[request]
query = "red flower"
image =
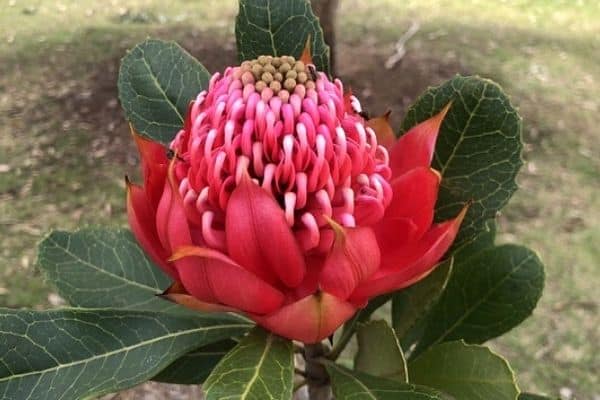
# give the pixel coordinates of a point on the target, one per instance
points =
(278, 202)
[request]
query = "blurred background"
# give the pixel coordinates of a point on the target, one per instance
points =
(65, 145)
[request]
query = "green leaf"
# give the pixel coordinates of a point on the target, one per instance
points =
(194, 367)
(379, 352)
(99, 267)
(279, 28)
(354, 385)
(80, 353)
(157, 81)
(261, 366)
(478, 150)
(483, 241)
(410, 306)
(467, 372)
(487, 295)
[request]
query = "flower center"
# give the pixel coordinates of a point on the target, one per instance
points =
(292, 130)
(280, 74)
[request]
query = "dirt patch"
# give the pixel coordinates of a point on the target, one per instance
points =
(361, 66)
(93, 104)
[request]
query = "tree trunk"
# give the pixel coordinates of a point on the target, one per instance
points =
(326, 11)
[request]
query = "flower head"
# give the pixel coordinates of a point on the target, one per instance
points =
(277, 200)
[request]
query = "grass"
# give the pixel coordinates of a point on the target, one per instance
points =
(64, 147)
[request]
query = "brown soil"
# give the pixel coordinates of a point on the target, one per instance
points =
(94, 102)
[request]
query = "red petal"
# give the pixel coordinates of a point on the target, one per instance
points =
(353, 258)
(212, 277)
(415, 148)
(409, 264)
(258, 236)
(154, 166)
(415, 194)
(308, 320)
(141, 221)
(383, 130)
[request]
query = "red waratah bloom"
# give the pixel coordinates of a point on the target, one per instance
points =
(276, 201)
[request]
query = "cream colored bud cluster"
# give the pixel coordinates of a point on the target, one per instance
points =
(280, 74)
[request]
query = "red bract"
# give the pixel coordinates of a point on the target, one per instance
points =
(277, 201)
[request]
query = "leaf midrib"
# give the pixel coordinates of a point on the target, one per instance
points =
(355, 379)
(122, 349)
(256, 374)
(463, 132)
(159, 87)
(100, 270)
(470, 310)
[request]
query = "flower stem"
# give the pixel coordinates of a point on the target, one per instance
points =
(317, 378)
(343, 340)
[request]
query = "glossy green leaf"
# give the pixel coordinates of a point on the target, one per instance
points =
(478, 150)
(379, 352)
(157, 81)
(261, 367)
(484, 240)
(279, 28)
(487, 295)
(467, 372)
(81, 353)
(100, 267)
(195, 366)
(354, 385)
(410, 306)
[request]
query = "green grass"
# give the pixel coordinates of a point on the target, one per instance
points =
(63, 166)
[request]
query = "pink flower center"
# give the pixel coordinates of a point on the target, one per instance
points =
(296, 138)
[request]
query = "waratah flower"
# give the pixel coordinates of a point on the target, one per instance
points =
(276, 200)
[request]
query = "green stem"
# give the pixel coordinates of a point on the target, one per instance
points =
(342, 342)
(316, 374)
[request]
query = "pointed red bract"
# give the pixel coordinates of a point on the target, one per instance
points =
(176, 293)
(308, 320)
(154, 166)
(408, 264)
(382, 128)
(306, 56)
(259, 238)
(171, 222)
(212, 277)
(348, 102)
(415, 148)
(141, 220)
(354, 258)
(415, 194)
